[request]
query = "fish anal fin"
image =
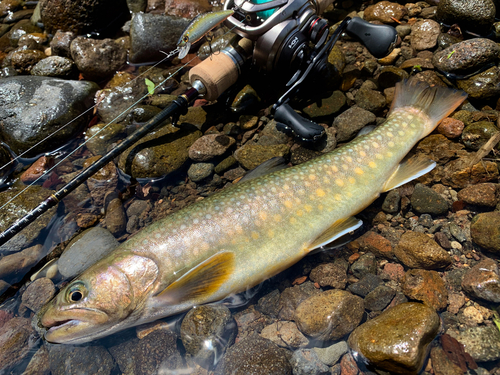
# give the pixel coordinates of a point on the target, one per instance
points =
(337, 230)
(202, 281)
(408, 170)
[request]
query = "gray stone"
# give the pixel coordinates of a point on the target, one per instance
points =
(55, 66)
(482, 342)
(86, 249)
(424, 200)
(32, 108)
(473, 15)
(71, 360)
(331, 354)
(306, 362)
(351, 121)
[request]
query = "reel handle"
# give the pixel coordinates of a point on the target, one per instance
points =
(380, 40)
(306, 129)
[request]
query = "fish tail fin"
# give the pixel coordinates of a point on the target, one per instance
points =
(435, 101)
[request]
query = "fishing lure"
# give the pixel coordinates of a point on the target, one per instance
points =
(199, 27)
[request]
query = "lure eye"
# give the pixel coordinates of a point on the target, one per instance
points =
(76, 292)
(185, 39)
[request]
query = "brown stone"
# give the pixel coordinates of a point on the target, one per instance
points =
(417, 250)
(451, 128)
(483, 195)
(376, 244)
(426, 286)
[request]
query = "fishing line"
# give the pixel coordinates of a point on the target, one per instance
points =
(84, 112)
(173, 52)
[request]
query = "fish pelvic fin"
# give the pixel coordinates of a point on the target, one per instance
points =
(202, 281)
(338, 229)
(435, 101)
(408, 170)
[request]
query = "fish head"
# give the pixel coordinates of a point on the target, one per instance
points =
(103, 300)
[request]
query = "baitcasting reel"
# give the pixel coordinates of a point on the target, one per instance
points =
(286, 38)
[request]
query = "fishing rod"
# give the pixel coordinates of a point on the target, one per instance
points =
(178, 107)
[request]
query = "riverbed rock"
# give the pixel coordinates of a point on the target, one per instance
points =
(13, 266)
(461, 173)
(349, 122)
(285, 334)
(485, 231)
(159, 153)
(417, 250)
(482, 342)
(254, 355)
(475, 135)
(480, 195)
(330, 274)
(473, 15)
(32, 108)
(38, 293)
(424, 34)
(483, 281)
(385, 11)
(252, 155)
(17, 340)
(484, 85)
(55, 66)
(380, 341)
(426, 286)
(86, 249)
(206, 332)
(424, 200)
(210, 146)
(330, 315)
(307, 362)
(70, 360)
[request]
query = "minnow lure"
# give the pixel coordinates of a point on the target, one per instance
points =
(199, 27)
(241, 236)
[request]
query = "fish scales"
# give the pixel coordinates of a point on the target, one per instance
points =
(243, 235)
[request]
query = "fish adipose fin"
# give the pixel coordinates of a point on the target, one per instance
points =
(436, 102)
(407, 171)
(201, 281)
(337, 230)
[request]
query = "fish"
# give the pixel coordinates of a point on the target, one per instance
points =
(249, 232)
(199, 27)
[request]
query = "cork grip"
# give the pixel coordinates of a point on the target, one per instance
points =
(217, 73)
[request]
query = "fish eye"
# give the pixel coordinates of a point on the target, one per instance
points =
(76, 292)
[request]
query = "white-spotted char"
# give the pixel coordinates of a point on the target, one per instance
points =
(239, 237)
(199, 27)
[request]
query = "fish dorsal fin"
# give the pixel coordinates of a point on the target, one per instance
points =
(201, 281)
(407, 171)
(337, 230)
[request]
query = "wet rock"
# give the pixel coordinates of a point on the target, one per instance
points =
(483, 85)
(285, 334)
(461, 173)
(17, 340)
(451, 128)
(39, 363)
(306, 362)
(376, 244)
(483, 281)
(254, 356)
(426, 286)
(485, 230)
(379, 298)
(480, 195)
(165, 29)
(393, 271)
(86, 249)
(21, 28)
(440, 149)
(55, 66)
(69, 360)
(100, 136)
(251, 156)
(38, 293)
(150, 355)
(186, 9)
(210, 146)
(379, 341)
(330, 315)
(20, 207)
(390, 75)
(37, 169)
(331, 354)
(160, 152)
(482, 343)
(477, 134)
(329, 274)
(32, 108)
(475, 15)
(206, 332)
(364, 265)
(349, 122)
(365, 285)
(24, 60)
(8, 6)
(116, 220)
(86, 16)
(424, 200)
(424, 34)
(391, 202)
(467, 57)
(200, 171)
(326, 106)
(137, 207)
(103, 181)
(61, 42)
(385, 12)
(290, 298)
(268, 304)
(195, 116)
(97, 59)
(14, 266)
(417, 250)
(370, 100)
(442, 365)
(246, 99)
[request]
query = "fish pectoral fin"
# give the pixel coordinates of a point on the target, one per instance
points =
(338, 229)
(183, 51)
(269, 166)
(202, 281)
(408, 170)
